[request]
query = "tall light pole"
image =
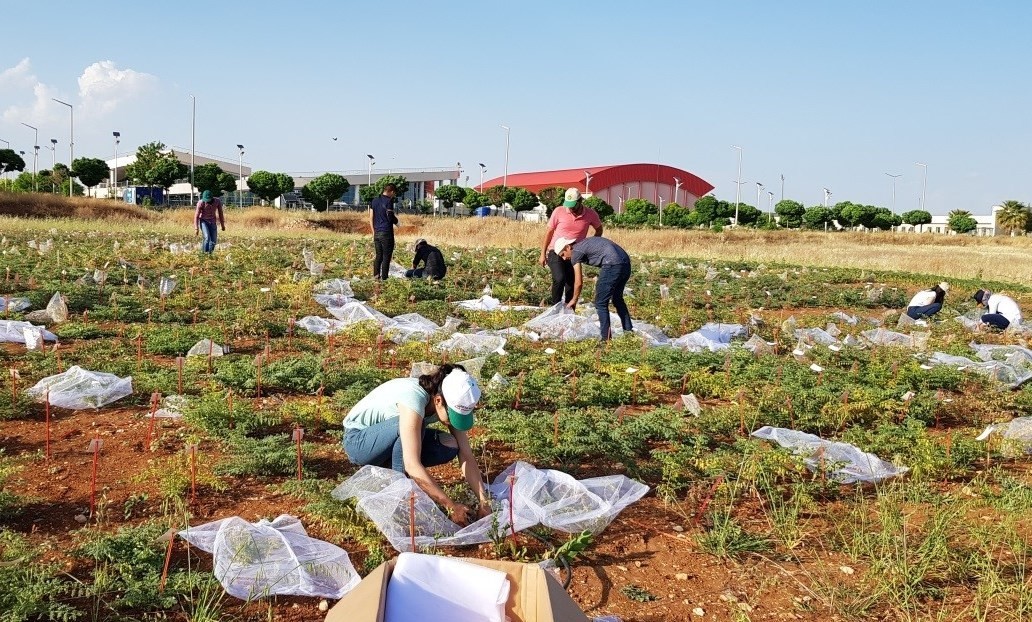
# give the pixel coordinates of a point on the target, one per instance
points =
(53, 153)
(759, 188)
(894, 178)
(587, 182)
(71, 141)
(782, 186)
(827, 194)
(114, 169)
(372, 161)
(482, 169)
(240, 178)
(924, 186)
(677, 188)
(660, 211)
(35, 157)
(770, 206)
(193, 147)
(738, 189)
(458, 178)
(505, 171)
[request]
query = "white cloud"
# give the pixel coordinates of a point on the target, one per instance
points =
(103, 87)
(22, 84)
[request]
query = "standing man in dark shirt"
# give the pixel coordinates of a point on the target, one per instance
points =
(382, 221)
(614, 271)
(432, 260)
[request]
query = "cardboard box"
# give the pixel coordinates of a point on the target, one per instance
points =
(534, 596)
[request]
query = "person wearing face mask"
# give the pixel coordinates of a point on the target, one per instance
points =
(388, 428)
(569, 221)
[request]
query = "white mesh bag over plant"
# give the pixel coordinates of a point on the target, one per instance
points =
(204, 347)
(1017, 436)
(1007, 374)
(476, 344)
(320, 326)
(846, 463)
(815, 336)
(255, 560)
(711, 336)
(559, 322)
(547, 497)
(334, 286)
(357, 311)
(885, 337)
(14, 305)
(57, 309)
(78, 388)
(490, 303)
(14, 331)
(409, 326)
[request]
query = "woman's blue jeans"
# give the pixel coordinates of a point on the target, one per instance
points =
(210, 234)
(612, 278)
(380, 445)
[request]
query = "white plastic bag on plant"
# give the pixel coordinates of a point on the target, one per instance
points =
(847, 463)
(167, 285)
(497, 382)
(57, 309)
(421, 368)
(474, 366)
(691, 404)
(14, 305)
(33, 337)
(320, 326)
(357, 311)
(1017, 435)
(411, 326)
(476, 344)
(172, 407)
(100, 276)
(334, 286)
(13, 331)
(78, 388)
(257, 560)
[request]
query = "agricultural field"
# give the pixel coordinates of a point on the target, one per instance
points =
(733, 528)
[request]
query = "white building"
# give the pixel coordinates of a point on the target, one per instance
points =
(179, 193)
(940, 224)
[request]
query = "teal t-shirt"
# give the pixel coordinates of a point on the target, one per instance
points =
(382, 402)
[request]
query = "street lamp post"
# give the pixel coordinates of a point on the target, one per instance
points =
(660, 211)
(372, 161)
(587, 182)
(114, 169)
(924, 186)
(458, 174)
(71, 141)
(482, 169)
(53, 153)
(827, 194)
(35, 157)
(782, 186)
(240, 178)
(505, 171)
(193, 146)
(759, 188)
(770, 206)
(738, 189)
(677, 188)
(894, 177)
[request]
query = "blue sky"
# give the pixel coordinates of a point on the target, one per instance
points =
(830, 94)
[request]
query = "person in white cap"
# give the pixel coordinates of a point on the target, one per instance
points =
(569, 221)
(614, 271)
(1000, 311)
(927, 302)
(388, 428)
(431, 258)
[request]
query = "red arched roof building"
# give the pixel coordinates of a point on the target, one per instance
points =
(616, 184)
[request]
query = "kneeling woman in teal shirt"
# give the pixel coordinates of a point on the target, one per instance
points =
(388, 427)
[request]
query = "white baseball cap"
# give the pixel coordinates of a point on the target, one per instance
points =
(944, 286)
(572, 196)
(561, 243)
(461, 394)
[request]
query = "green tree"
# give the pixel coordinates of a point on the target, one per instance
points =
(1015, 216)
(790, 213)
(884, 219)
(368, 193)
(523, 200)
(10, 161)
(167, 171)
(855, 215)
(816, 217)
(326, 188)
(603, 209)
(474, 199)
(707, 210)
(639, 212)
(747, 214)
(90, 171)
(212, 178)
(154, 166)
(677, 215)
(552, 197)
(916, 218)
(269, 186)
(499, 195)
(450, 195)
(961, 221)
(24, 182)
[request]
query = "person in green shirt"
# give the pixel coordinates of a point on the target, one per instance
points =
(388, 427)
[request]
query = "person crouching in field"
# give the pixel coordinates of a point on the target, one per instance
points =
(571, 220)
(927, 302)
(208, 209)
(614, 271)
(1000, 311)
(388, 428)
(431, 258)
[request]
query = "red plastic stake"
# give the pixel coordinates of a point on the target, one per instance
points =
(192, 448)
(379, 350)
(299, 433)
(57, 356)
(229, 397)
(412, 519)
(573, 386)
(258, 381)
(179, 368)
(139, 350)
(512, 521)
(47, 409)
(95, 446)
(155, 397)
(519, 391)
(168, 559)
(290, 332)
(555, 431)
(709, 497)
(14, 384)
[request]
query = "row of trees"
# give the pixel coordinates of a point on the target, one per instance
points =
(89, 171)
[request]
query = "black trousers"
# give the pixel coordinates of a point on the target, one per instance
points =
(383, 245)
(562, 277)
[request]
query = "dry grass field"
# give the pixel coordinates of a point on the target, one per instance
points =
(1002, 258)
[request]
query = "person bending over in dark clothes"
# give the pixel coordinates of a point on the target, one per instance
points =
(431, 258)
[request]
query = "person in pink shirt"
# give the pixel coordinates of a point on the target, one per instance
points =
(570, 221)
(208, 209)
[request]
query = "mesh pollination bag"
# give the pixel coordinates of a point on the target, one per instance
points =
(539, 496)
(357, 311)
(1017, 436)
(479, 343)
(14, 331)
(847, 463)
(560, 322)
(78, 388)
(1011, 373)
(711, 336)
(260, 559)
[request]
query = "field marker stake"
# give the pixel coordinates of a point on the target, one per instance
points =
(95, 446)
(46, 402)
(229, 397)
(14, 384)
(290, 333)
(193, 472)
(258, 364)
(139, 350)
(555, 430)
(153, 411)
(179, 367)
(519, 391)
(512, 488)
(709, 497)
(573, 386)
(299, 433)
(57, 356)
(168, 559)
(791, 412)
